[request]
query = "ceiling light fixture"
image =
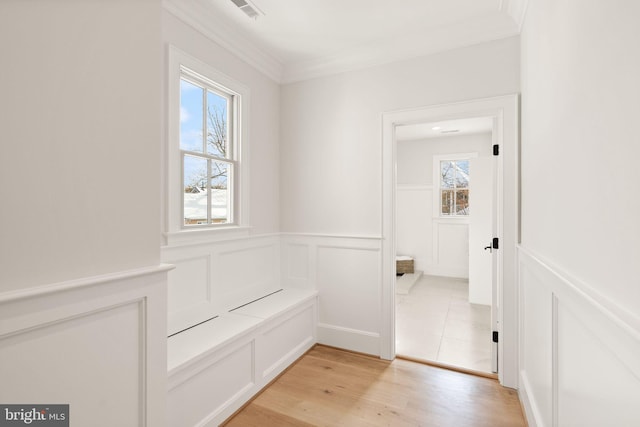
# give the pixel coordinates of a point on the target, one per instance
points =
(436, 128)
(250, 9)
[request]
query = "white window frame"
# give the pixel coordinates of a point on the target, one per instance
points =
(175, 227)
(437, 197)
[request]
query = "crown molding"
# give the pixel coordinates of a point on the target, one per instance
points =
(203, 19)
(395, 50)
(201, 16)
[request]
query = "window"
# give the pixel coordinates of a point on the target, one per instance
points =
(207, 150)
(207, 157)
(454, 187)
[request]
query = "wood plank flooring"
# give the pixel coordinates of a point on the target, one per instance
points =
(331, 387)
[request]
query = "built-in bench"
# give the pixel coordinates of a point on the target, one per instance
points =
(218, 365)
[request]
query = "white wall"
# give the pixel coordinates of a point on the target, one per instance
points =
(415, 158)
(331, 142)
(439, 246)
(80, 125)
(219, 270)
(331, 162)
(82, 295)
(264, 116)
(579, 252)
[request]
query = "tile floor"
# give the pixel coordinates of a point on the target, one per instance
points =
(435, 322)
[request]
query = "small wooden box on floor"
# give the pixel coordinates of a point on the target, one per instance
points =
(404, 266)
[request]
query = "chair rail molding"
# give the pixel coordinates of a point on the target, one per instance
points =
(104, 334)
(574, 345)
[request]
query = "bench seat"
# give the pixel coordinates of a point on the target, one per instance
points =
(217, 366)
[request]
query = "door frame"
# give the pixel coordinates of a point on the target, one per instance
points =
(505, 111)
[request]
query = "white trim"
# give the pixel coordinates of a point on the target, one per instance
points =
(613, 331)
(331, 236)
(200, 17)
(531, 412)
(572, 290)
(176, 60)
(84, 282)
(505, 110)
(203, 18)
(391, 51)
(80, 312)
(437, 180)
(351, 339)
(411, 187)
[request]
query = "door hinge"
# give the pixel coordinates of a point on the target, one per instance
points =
(494, 243)
(495, 336)
(496, 150)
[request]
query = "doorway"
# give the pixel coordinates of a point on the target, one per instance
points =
(504, 111)
(444, 207)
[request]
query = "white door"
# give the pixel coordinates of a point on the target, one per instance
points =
(481, 255)
(480, 230)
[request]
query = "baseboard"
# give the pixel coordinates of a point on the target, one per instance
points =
(349, 339)
(529, 408)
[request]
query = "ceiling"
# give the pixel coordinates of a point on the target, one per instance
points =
(301, 39)
(422, 131)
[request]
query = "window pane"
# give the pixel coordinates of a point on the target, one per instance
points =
(220, 194)
(447, 202)
(462, 202)
(447, 174)
(462, 174)
(195, 190)
(217, 125)
(191, 116)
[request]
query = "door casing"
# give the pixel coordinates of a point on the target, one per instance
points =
(505, 111)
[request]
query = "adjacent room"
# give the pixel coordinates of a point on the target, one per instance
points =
(206, 205)
(445, 220)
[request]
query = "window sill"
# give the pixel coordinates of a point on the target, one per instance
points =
(205, 235)
(452, 219)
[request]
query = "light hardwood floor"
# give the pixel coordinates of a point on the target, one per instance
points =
(331, 387)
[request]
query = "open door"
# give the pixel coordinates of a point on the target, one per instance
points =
(482, 278)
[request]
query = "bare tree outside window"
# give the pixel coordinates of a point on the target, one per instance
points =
(207, 161)
(454, 187)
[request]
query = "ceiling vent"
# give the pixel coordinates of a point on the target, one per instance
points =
(249, 9)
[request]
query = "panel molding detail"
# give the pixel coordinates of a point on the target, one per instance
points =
(57, 335)
(343, 269)
(579, 361)
(225, 274)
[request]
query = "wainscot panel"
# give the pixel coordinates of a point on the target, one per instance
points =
(97, 344)
(450, 248)
(579, 363)
(219, 381)
(214, 277)
(217, 366)
(346, 272)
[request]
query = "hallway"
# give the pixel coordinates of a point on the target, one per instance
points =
(435, 322)
(332, 387)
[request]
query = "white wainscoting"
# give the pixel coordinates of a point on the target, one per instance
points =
(97, 344)
(579, 360)
(236, 355)
(214, 277)
(450, 248)
(346, 272)
(254, 326)
(439, 246)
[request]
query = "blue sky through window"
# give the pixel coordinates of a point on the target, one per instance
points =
(192, 129)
